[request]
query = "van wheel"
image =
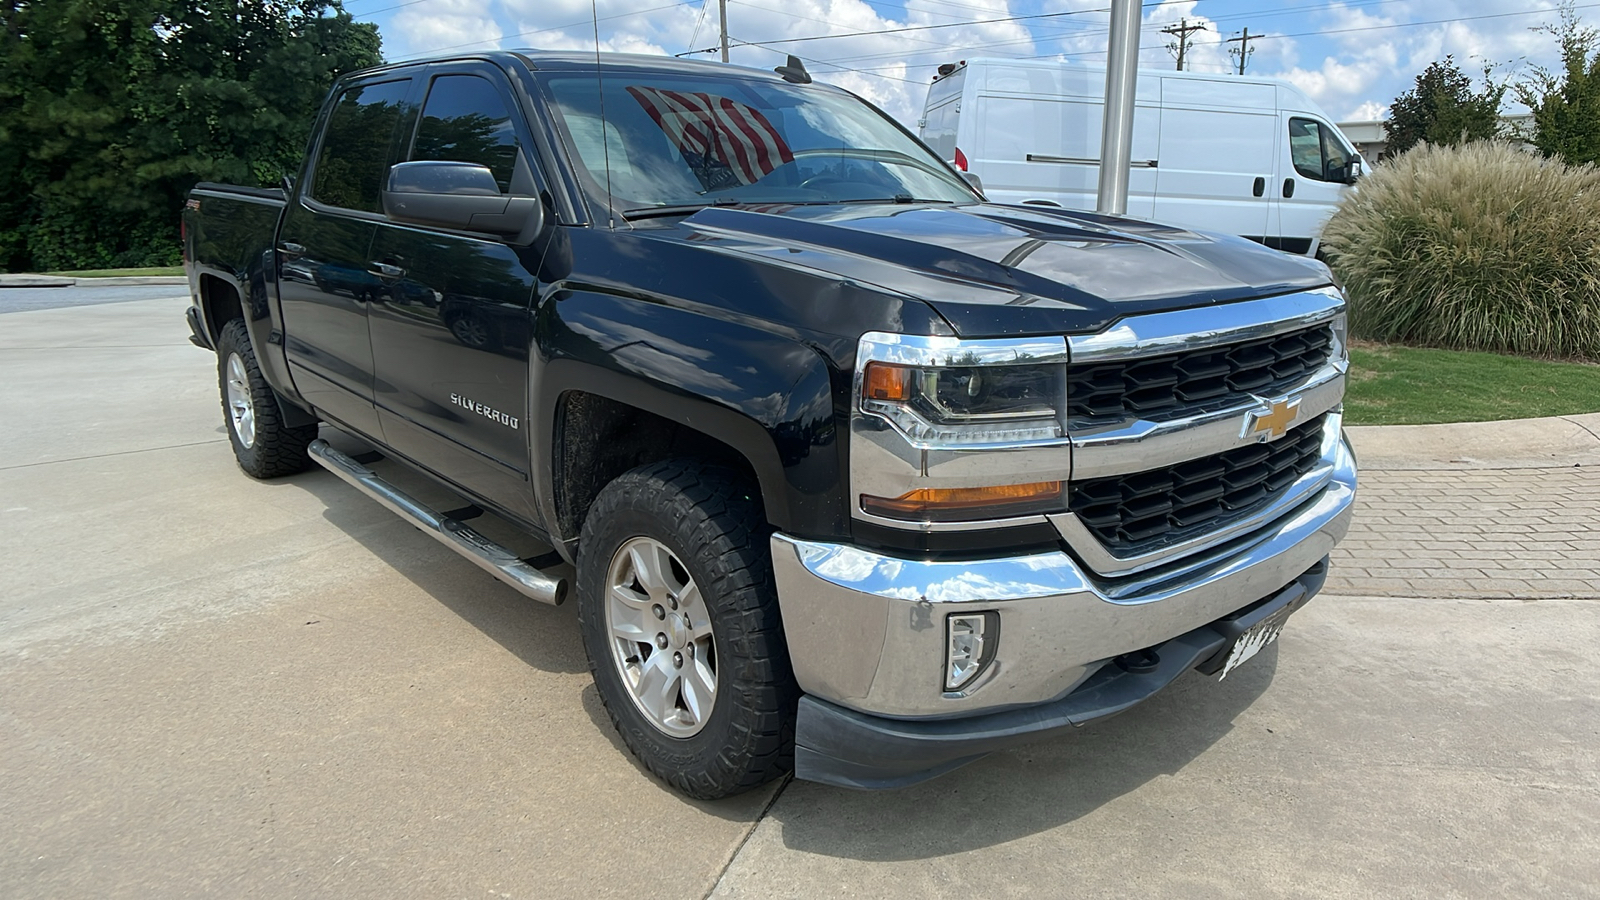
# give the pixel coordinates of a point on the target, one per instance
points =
(263, 445)
(680, 622)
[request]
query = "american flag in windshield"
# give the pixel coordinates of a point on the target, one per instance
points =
(724, 142)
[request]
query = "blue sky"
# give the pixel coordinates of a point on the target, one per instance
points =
(1352, 57)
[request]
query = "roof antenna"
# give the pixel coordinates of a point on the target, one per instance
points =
(794, 71)
(605, 144)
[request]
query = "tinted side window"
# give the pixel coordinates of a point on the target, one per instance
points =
(352, 163)
(466, 120)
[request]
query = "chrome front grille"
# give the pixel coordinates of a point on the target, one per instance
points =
(1133, 511)
(1161, 386)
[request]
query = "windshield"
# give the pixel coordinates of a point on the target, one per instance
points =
(677, 141)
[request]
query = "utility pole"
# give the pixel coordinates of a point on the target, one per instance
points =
(1181, 31)
(722, 8)
(1243, 51)
(1116, 130)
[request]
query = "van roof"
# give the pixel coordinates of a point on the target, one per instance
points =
(980, 61)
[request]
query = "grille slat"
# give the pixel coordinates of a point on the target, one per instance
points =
(1124, 511)
(1147, 386)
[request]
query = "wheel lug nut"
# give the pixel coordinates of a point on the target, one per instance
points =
(661, 641)
(660, 613)
(677, 660)
(674, 602)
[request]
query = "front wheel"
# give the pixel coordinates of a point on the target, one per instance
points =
(263, 445)
(681, 624)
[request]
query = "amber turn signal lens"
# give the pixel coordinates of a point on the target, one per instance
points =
(944, 504)
(886, 382)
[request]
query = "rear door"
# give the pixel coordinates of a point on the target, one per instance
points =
(323, 282)
(1218, 142)
(451, 322)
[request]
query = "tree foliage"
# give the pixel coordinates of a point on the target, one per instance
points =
(110, 110)
(1566, 103)
(1443, 109)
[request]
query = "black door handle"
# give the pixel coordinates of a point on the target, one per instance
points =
(1288, 187)
(1259, 188)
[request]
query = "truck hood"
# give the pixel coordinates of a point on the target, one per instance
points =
(993, 270)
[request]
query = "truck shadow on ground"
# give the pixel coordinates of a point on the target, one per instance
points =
(545, 637)
(1030, 789)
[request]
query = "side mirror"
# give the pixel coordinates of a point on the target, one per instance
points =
(1347, 172)
(458, 195)
(975, 181)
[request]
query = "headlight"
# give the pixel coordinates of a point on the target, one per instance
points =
(943, 392)
(1341, 337)
(943, 395)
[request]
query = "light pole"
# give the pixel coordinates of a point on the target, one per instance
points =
(1116, 133)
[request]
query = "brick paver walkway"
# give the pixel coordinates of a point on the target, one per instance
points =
(1520, 533)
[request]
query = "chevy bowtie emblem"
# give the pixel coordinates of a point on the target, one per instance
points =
(1271, 423)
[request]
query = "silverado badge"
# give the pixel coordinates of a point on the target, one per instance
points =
(1270, 423)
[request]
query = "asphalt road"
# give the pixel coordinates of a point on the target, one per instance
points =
(23, 299)
(215, 687)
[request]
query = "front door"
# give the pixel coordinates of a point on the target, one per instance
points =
(324, 284)
(1310, 186)
(451, 323)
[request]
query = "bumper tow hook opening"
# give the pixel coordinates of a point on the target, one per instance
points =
(1139, 662)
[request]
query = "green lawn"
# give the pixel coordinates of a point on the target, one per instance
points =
(1391, 385)
(113, 273)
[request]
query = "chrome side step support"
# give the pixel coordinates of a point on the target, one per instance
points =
(489, 556)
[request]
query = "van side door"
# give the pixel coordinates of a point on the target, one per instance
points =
(451, 320)
(1313, 176)
(1218, 141)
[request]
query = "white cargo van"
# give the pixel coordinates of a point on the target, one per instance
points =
(1247, 156)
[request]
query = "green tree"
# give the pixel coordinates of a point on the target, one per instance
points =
(1442, 108)
(1566, 103)
(110, 110)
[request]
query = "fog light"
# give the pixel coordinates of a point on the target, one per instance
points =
(970, 645)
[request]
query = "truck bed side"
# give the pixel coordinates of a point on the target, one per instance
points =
(230, 233)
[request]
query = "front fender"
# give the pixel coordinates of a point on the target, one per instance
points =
(768, 395)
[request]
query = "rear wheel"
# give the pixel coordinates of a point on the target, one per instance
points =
(680, 621)
(263, 445)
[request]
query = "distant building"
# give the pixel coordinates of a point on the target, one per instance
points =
(1372, 142)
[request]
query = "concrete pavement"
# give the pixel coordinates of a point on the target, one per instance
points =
(211, 686)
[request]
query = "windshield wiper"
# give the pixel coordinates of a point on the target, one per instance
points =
(676, 209)
(897, 198)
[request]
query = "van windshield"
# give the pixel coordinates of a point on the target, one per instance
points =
(691, 141)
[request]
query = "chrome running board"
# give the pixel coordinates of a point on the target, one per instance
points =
(488, 555)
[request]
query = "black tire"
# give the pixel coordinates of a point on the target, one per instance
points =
(276, 449)
(711, 521)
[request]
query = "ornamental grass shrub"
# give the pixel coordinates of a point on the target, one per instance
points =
(1479, 247)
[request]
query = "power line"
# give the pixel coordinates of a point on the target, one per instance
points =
(1525, 12)
(883, 31)
(811, 19)
(1092, 32)
(699, 23)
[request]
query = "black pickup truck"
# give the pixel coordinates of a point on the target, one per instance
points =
(860, 475)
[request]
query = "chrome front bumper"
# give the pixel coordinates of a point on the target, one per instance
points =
(866, 631)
